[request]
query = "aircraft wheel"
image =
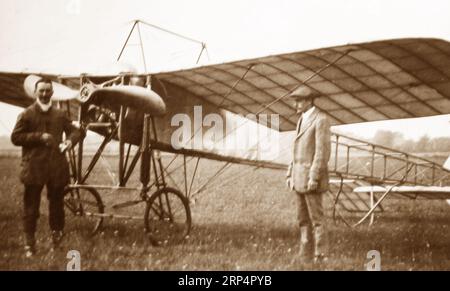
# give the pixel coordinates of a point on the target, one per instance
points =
(167, 217)
(84, 204)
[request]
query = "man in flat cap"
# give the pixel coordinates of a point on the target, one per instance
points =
(308, 173)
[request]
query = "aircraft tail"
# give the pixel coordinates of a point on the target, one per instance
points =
(447, 164)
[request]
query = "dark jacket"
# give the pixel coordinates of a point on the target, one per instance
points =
(312, 147)
(40, 163)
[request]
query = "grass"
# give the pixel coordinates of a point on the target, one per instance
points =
(247, 223)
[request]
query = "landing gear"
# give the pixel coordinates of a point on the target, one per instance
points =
(167, 217)
(86, 206)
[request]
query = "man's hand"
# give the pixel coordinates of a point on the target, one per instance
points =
(47, 139)
(312, 185)
(289, 183)
(65, 145)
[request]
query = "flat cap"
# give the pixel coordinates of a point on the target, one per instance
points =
(303, 92)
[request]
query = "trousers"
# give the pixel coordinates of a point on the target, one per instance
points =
(32, 201)
(310, 209)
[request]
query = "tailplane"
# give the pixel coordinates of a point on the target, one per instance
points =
(447, 164)
(447, 167)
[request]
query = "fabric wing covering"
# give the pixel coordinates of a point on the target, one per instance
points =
(391, 79)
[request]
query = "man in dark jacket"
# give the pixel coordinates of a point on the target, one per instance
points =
(39, 131)
(308, 172)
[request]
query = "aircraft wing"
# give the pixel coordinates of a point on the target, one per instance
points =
(390, 79)
(12, 91)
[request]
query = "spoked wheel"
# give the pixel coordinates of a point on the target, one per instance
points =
(167, 217)
(84, 204)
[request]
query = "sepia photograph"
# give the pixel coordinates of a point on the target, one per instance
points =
(249, 136)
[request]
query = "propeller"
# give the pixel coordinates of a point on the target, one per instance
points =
(60, 91)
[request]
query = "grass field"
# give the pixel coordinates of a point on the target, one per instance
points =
(245, 221)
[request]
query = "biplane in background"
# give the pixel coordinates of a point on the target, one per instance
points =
(382, 80)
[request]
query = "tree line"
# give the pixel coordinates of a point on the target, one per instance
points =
(424, 144)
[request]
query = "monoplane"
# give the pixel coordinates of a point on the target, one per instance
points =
(381, 80)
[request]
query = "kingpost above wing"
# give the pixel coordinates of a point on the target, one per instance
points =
(390, 79)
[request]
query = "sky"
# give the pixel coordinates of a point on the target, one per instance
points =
(76, 36)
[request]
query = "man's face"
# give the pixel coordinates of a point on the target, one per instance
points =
(44, 92)
(301, 105)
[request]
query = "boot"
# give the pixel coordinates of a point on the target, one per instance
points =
(305, 253)
(57, 236)
(320, 245)
(30, 245)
